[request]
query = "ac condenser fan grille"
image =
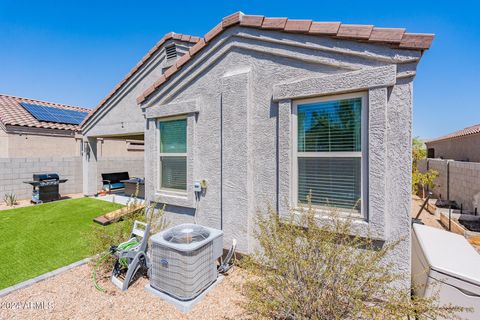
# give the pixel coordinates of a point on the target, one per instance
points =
(185, 234)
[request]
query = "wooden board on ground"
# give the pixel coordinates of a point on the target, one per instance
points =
(117, 214)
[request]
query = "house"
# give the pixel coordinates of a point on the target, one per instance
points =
(31, 128)
(262, 111)
(118, 116)
(24, 133)
(462, 145)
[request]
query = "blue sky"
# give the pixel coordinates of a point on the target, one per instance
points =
(75, 52)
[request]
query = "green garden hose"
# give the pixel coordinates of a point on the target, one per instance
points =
(126, 246)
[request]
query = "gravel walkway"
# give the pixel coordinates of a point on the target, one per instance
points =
(71, 295)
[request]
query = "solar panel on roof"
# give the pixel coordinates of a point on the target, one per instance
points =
(50, 114)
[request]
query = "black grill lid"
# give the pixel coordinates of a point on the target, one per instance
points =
(45, 176)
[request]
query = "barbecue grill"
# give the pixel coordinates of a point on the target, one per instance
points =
(45, 187)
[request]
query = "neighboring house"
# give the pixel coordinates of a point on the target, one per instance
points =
(24, 135)
(32, 128)
(266, 110)
(462, 145)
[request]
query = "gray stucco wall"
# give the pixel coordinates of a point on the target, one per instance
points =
(241, 133)
(121, 115)
(465, 148)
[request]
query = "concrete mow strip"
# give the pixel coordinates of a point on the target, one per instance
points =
(183, 306)
(45, 276)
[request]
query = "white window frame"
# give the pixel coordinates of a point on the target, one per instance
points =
(363, 154)
(163, 154)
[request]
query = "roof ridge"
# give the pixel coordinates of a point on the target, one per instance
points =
(473, 129)
(369, 33)
(47, 102)
(168, 36)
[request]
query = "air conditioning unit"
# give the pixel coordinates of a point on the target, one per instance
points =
(184, 260)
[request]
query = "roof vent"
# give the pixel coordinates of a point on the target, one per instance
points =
(171, 52)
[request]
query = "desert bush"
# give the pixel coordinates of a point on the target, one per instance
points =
(307, 270)
(421, 181)
(101, 238)
(10, 199)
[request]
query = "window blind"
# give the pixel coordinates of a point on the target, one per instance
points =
(173, 136)
(330, 126)
(333, 182)
(329, 153)
(173, 154)
(174, 172)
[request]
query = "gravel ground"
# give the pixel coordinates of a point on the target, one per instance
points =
(426, 217)
(71, 295)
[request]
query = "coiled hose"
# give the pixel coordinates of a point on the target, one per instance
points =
(125, 246)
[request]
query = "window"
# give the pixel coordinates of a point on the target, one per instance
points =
(173, 154)
(328, 151)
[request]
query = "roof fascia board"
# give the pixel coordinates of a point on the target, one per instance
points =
(218, 49)
(359, 33)
(155, 61)
(10, 129)
(151, 55)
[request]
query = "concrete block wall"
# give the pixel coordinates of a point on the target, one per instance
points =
(463, 183)
(13, 171)
(133, 165)
(440, 166)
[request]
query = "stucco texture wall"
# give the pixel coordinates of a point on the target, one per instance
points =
(33, 145)
(465, 148)
(238, 128)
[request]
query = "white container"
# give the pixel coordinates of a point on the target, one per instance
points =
(445, 263)
(184, 260)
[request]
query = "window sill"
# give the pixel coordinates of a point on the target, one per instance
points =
(360, 225)
(174, 198)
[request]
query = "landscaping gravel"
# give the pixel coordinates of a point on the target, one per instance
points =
(71, 295)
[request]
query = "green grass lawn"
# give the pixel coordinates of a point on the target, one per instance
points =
(38, 239)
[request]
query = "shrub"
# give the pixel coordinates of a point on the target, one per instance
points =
(10, 199)
(101, 238)
(304, 270)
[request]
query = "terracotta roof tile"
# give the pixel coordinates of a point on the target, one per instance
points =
(327, 28)
(183, 59)
(354, 31)
(364, 33)
(461, 133)
(252, 21)
(274, 23)
(393, 35)
(169, 72)
(416, 41)
(214, 32)
(197, 47)
(12, 113)
(168, 36)
(231, 19)
(298, 25)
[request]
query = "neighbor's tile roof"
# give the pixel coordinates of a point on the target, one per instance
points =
(12, 113)
(395, 37)
(168, 36)
(461, 133)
